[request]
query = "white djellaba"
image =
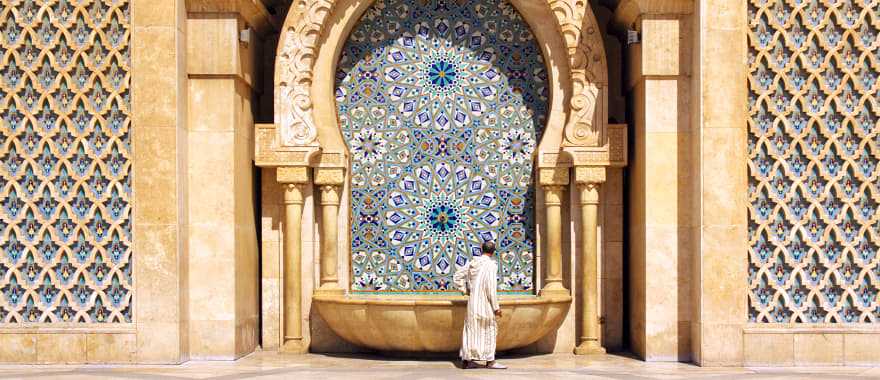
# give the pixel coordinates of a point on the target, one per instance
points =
(478, 278)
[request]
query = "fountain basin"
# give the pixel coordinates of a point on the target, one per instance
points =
(434, 323)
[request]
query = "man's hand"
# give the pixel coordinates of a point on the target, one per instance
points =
(498, 313)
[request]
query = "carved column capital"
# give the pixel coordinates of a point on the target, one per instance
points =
(293, 193)
(589, 186)
(589, 193)
(553, 195)
(589, 179)
(330, 195)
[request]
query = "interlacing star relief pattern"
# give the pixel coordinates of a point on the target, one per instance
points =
(814, 146)
(65, 184)
(442, 104)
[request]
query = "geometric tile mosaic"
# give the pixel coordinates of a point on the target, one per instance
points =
(65, 213)
(814, 149)
(442, 105)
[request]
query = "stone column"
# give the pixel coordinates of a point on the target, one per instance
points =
(553, 181)
(588, 181)
(292, 180)
(330, 181)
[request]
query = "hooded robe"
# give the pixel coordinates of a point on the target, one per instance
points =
(479, 278)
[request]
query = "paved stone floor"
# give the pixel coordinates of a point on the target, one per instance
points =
(269, 365)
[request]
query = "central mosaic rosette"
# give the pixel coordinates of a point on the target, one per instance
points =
(442, 104)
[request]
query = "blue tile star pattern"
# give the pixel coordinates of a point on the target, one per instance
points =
(442, 105)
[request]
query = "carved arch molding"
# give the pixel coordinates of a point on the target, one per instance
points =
(586, 137)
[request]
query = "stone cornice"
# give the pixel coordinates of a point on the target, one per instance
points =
(629, 11)
(252, 11)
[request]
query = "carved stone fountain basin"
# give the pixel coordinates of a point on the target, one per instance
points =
(434, 323)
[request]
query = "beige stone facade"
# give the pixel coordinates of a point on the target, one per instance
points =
(241, 183)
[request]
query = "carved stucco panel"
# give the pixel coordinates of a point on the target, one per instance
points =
(588, 71)
(296, 61)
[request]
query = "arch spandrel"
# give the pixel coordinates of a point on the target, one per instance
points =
(304, 65)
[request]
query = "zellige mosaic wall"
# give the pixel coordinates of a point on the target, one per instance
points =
(442, 104)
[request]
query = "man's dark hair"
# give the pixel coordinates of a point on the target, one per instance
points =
(488, 247)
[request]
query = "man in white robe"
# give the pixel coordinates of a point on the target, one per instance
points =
(479, 279)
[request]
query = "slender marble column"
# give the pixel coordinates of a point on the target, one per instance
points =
(553, 204)
(589, 292)
(329, 251)
(293, 204)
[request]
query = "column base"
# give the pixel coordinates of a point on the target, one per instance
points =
(295, 346)
(330, 290)
(589, 347)
(554, 289)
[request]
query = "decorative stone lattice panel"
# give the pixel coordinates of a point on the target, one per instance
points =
(814, 147)
(442, 104)
(65, 226)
